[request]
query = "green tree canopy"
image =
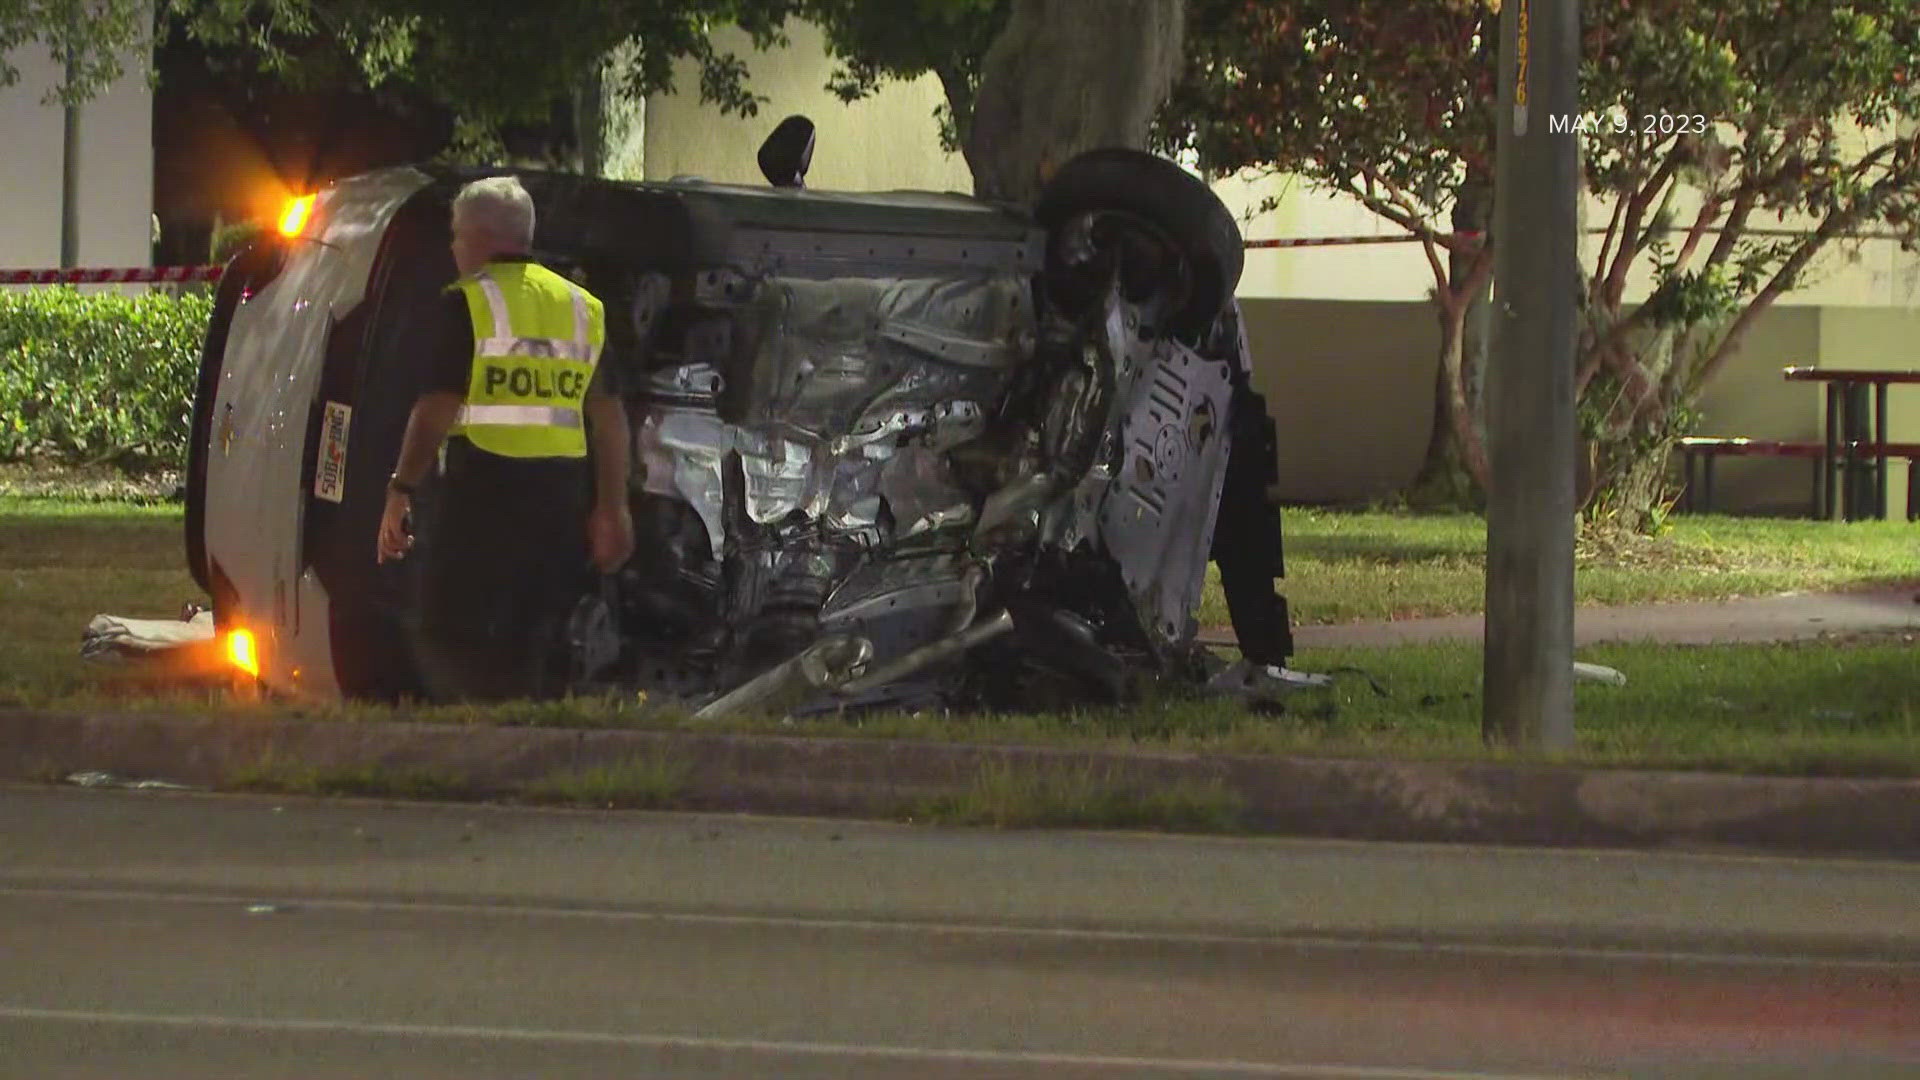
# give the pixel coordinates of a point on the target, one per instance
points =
(905, 39)
(494, 63)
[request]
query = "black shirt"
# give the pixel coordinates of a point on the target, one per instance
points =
(450, 366)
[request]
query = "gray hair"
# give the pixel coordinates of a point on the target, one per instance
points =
(498, 207)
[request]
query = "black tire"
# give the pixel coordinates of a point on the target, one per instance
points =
(1136, 183)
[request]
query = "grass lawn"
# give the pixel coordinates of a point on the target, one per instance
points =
(62, 563)
(1347, 567)
(1844, 708)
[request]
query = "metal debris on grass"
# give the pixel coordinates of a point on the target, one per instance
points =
(109, 780)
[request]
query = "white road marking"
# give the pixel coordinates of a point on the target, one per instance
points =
(1281, 940)
(746, 1046)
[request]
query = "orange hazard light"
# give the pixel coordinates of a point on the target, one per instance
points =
(293, 220)
(241, 652)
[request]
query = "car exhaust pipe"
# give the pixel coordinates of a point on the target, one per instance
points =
(927, 656)
(824, 666)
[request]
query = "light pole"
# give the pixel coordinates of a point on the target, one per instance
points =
(70, 150)
(1530, 392)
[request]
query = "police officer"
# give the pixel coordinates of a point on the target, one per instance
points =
(513, 391)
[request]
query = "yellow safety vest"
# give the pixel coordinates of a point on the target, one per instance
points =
(537, 338)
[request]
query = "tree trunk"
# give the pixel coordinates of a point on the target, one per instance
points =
(1630, 428)
(589, 122)
(1467, 445)
(623, 118)
(1066, 76)
(1453, 472)
(1464, 339)
(1627, 488)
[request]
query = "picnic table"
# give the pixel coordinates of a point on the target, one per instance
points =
(1856, 434)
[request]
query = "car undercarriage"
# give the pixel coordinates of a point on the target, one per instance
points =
(911, 490)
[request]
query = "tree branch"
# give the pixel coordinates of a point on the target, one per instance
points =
(1709, 210)
(1615, 338)
(1681, 381)
(1387, 210)
(1835, 223)
(1401, 196)
(1606, 246)
(1408, 218)
(1589, 367)
(1631, 236)
(1736, 224)
(1440, 276)
(1747, 194)
(959, 94)
(1873, 158)
(1430, 240)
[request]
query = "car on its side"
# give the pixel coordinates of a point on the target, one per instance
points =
(893, 449)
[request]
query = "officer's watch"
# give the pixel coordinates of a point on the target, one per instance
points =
(394, 483)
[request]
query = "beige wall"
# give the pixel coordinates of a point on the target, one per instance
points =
(1350, 386)
(885, 142)
(1750, 399)
(1375, 272)
(116, 161)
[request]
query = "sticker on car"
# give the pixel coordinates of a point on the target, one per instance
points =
(330, 477)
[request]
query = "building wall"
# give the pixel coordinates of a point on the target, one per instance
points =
(1392, 272)
(116, 163)
(1350, 386)
(1749, 398)
(889, 141)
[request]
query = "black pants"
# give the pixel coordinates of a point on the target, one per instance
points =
(503, 561)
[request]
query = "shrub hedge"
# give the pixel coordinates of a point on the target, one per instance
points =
(99, 378)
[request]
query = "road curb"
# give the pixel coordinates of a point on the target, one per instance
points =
(1370, 800)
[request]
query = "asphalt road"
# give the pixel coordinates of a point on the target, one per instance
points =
(163, 935)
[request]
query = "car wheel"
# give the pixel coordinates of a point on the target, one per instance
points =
(1134, 189)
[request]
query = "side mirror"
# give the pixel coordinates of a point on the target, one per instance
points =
(788, 153)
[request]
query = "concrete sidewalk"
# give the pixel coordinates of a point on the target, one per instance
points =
(1796, 617)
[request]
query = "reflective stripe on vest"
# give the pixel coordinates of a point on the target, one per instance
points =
(520, 416)
(526, 392)
(503, 343)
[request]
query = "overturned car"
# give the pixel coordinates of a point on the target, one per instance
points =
(900, 449)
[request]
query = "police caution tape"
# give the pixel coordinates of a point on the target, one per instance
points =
(111, 275)
(1352, 241)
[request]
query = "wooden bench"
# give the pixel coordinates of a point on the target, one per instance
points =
(1907, 450)
(1705, 450)
(1851, 461)
(1856, 435)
